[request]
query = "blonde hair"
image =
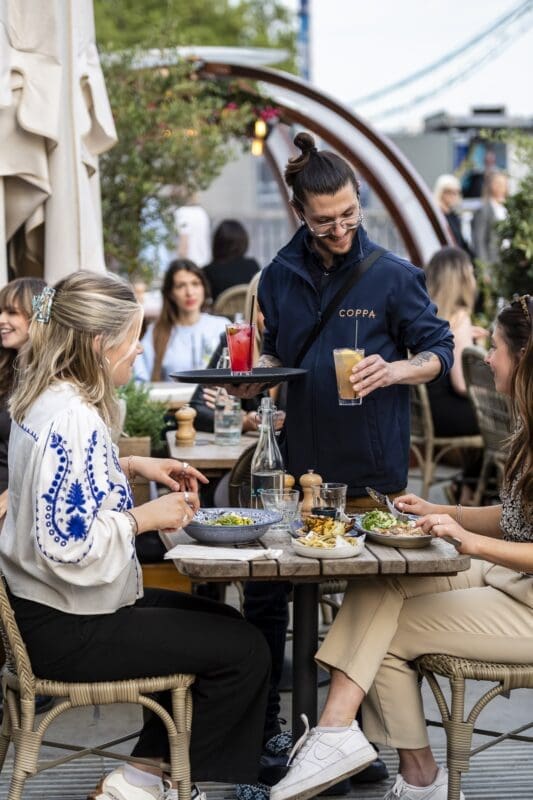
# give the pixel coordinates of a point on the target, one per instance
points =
(443, 183)
(85, 305)
(450, 282)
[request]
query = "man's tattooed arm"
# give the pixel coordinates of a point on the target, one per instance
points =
(421, 359)
(269, 362)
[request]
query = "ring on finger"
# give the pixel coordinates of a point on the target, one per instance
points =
(184, 466)
(186, 497)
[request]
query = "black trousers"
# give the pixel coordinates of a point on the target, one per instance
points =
(163, 633)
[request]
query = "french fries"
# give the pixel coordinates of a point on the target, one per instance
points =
(325, 532)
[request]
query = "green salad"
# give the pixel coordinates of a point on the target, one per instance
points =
(378, 519)
(232, 519)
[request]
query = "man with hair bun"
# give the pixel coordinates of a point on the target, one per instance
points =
(405, 342)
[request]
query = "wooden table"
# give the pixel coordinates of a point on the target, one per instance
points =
(205, 455)
(306, 574)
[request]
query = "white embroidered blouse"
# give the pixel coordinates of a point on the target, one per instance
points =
(65, 542)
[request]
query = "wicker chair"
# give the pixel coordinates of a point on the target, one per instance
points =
(492, 413)
(459, 730)
(20, 686)
(428, 448)
(231, 301)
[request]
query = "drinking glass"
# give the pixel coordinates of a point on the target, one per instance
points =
(241, 337)
(345, 358)
(331, 499)
(284, 502)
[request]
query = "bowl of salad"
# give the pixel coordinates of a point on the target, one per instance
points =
(230, 525)
(384, 528)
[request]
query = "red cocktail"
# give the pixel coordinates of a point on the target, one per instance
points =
(240, 336)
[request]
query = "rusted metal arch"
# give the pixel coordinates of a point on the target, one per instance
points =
(392, 177)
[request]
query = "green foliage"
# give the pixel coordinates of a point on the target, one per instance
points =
(175, 135)
(144, 417)
(176, 129)
(122, 24)
(514, 272)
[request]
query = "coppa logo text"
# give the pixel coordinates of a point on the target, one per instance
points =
(357, 312)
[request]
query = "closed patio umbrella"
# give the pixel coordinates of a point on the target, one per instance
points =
(55, 120)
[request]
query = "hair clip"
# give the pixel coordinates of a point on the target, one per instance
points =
(524, 302)
(42, 304)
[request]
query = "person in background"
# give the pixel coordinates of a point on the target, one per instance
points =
(194, 232)
(452, 287)
(67, 549)
(229, 266)
(184, 336)
(484, 613)
(447, 193)
(15, 315)
(484, 238)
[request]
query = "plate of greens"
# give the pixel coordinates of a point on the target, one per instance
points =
(230, 525)
(384, 528)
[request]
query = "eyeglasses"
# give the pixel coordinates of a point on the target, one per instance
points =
(321, 229)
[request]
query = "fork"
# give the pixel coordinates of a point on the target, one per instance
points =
(384, 500)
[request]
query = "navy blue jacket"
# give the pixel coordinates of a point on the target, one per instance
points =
(365, 445)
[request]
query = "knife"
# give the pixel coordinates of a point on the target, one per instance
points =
(383, 500)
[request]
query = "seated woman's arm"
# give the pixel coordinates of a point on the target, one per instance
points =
(461, 327)
(484, 520)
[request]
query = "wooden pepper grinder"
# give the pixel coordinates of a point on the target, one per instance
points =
(288, 481)
(186, 433)
(309, 482)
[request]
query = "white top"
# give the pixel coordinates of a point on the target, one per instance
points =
(65, 542)
(193, 222)
(189, 347)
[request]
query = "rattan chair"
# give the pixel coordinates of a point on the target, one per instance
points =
(428, 448)
(231, 301)
(20, 686)
(492, 413)
(459, 730)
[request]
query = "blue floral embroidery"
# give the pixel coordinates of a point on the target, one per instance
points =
(28, 431)
(76, 498)
(76, 527)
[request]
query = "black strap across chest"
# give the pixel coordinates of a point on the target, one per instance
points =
(355, 274)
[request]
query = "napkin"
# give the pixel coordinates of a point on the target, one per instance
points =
(221, 553)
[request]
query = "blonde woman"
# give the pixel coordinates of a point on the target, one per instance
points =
(452, 287)
(67, 549)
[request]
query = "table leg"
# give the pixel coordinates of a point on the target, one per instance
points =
(304, 669)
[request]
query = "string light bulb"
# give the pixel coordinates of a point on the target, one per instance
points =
(257, 147)
(260, 129)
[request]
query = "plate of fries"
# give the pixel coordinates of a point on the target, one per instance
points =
(324, 537)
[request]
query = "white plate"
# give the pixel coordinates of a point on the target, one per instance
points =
(343, 551)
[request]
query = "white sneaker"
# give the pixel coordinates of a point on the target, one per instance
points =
(172, 794)
(115, 787)
(321, 758)
(438, 790)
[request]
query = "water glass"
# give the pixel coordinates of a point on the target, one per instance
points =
(331, 499)
(284, 502)
(228, 421)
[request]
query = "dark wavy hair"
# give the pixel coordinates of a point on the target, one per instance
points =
(170, 313)
(316, 171)
(515, 323)
(230, 240)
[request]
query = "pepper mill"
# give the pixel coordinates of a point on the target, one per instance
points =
(288, 481)
(309, 482)
(186, 433)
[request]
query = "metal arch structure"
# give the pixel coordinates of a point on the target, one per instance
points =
(394, 180)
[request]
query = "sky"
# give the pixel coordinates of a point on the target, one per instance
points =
(360, 46)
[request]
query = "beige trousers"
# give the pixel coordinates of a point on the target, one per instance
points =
(484, 613)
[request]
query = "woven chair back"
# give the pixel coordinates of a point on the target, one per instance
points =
(231, 301)
(491, 408)
(17, 658)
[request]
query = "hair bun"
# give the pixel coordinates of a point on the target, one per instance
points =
(305, 142)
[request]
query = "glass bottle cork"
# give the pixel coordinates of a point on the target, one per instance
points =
(186, 433)
(309, 482)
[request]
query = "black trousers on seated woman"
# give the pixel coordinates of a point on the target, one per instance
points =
(164, 633)
(453, 415)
